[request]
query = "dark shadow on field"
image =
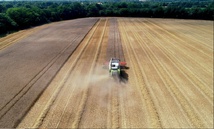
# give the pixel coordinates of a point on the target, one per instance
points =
(124, 67)
(124, 77)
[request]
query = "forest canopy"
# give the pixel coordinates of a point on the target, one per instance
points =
(16, 15)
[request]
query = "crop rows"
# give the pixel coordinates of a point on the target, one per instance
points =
(167, 82)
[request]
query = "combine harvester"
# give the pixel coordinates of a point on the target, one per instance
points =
(115, 67)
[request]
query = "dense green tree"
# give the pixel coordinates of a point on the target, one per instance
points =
(2, 8)
(19, 15)
(6, 23)
(79, 10)
(26, 17)
(124, 12)
(92, 10)
(122, 5)
(158, 12)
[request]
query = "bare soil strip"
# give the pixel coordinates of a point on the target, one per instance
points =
(114, 49)
(41, 58)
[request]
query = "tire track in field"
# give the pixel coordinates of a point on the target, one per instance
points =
(117, 49)
(140, 79)
(111, 49)
(84, 98)
(120, 49)
(116, 93)
(114, 99)
(109, 108)
(186, 45)
(123, 115)
(207, 69)
(57, 86)
(114, 51)
(114, 43)
(117, 98)
(112, 115)
(194, 79)
(168, 80)
(115, 108)
(123, 122)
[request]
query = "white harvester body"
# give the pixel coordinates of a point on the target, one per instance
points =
(114, 66)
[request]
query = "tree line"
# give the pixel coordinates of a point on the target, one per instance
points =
(16, 15)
